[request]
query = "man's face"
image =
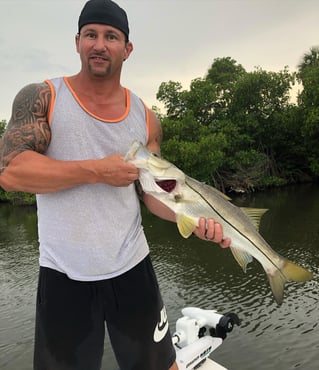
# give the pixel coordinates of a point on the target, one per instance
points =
(102, 49)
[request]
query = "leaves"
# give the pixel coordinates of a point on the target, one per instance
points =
(239, 129)
(3, 124)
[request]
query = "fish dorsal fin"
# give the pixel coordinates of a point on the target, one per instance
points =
(255, 215)
(186, 225)
(242, 257)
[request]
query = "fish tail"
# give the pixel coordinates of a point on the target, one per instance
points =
(289, 272)
(295, 272)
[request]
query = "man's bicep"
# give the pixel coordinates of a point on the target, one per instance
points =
(28, 128)
(155, 134)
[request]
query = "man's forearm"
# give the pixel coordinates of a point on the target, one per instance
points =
(158, 208)
(35, 173)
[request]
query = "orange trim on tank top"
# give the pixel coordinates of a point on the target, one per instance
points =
(52, 100)
(53, 96)
(147, 119)
(121, 118)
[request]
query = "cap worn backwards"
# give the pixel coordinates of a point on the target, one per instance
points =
(104, 12)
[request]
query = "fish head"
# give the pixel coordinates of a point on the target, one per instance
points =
(157, 175)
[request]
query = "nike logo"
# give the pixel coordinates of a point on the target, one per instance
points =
(161, 328)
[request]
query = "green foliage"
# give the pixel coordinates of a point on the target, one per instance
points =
(224, 72)
(192, 147)
(2, 128)
(245, 170)
(308, 99)
(239, 130)
(261, 93)
(200, 100)
(17, 198)
(171, 95)
(3, 124)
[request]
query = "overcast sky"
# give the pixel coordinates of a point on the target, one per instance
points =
(173, 40)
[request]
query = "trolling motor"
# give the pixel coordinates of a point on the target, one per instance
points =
(198, 333)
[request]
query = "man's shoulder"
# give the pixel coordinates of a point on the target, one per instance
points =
(33, 96)
(35, 88)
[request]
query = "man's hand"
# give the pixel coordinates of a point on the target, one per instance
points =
(115, 171)
(212, 231)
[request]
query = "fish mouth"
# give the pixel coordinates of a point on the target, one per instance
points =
(167, 185)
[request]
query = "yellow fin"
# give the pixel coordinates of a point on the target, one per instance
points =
(186, 225)
(295, 272)
(242, 257)
(277, 284)
(289, 271)
(255, 215)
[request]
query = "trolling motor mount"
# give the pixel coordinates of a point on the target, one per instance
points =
(198, 333)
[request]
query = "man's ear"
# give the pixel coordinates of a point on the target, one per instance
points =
(77, 39)
(128, 50)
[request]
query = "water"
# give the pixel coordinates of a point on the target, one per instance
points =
(18, 275)
(197, 273)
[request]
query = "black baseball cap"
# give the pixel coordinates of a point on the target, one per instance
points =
(104, 12)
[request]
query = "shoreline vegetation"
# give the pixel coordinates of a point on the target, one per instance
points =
(238, 131)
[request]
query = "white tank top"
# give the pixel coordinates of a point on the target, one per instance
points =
(92, 231)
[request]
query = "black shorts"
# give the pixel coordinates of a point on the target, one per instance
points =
(71, 317)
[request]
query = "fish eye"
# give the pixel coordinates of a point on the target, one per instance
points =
(155, 155)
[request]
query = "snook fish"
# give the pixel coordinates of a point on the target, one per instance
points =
(191, 199)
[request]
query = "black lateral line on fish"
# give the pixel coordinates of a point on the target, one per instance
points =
(245, 236)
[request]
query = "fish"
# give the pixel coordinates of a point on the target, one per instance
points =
(191, 199)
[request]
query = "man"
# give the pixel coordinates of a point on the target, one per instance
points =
(65, 142)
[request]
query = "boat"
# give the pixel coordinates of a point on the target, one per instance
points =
(198, 333)
(211, 365)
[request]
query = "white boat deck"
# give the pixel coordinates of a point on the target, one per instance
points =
(211, 365)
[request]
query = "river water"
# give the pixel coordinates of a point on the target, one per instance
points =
(193, 273)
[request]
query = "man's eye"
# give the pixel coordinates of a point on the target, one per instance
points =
(90, 35)
(112, 37)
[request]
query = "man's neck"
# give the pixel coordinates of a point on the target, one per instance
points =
(103, 98)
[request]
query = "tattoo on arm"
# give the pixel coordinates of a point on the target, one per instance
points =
(28, 128)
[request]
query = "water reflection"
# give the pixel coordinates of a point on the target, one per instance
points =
(18, 272)
(197, 273)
